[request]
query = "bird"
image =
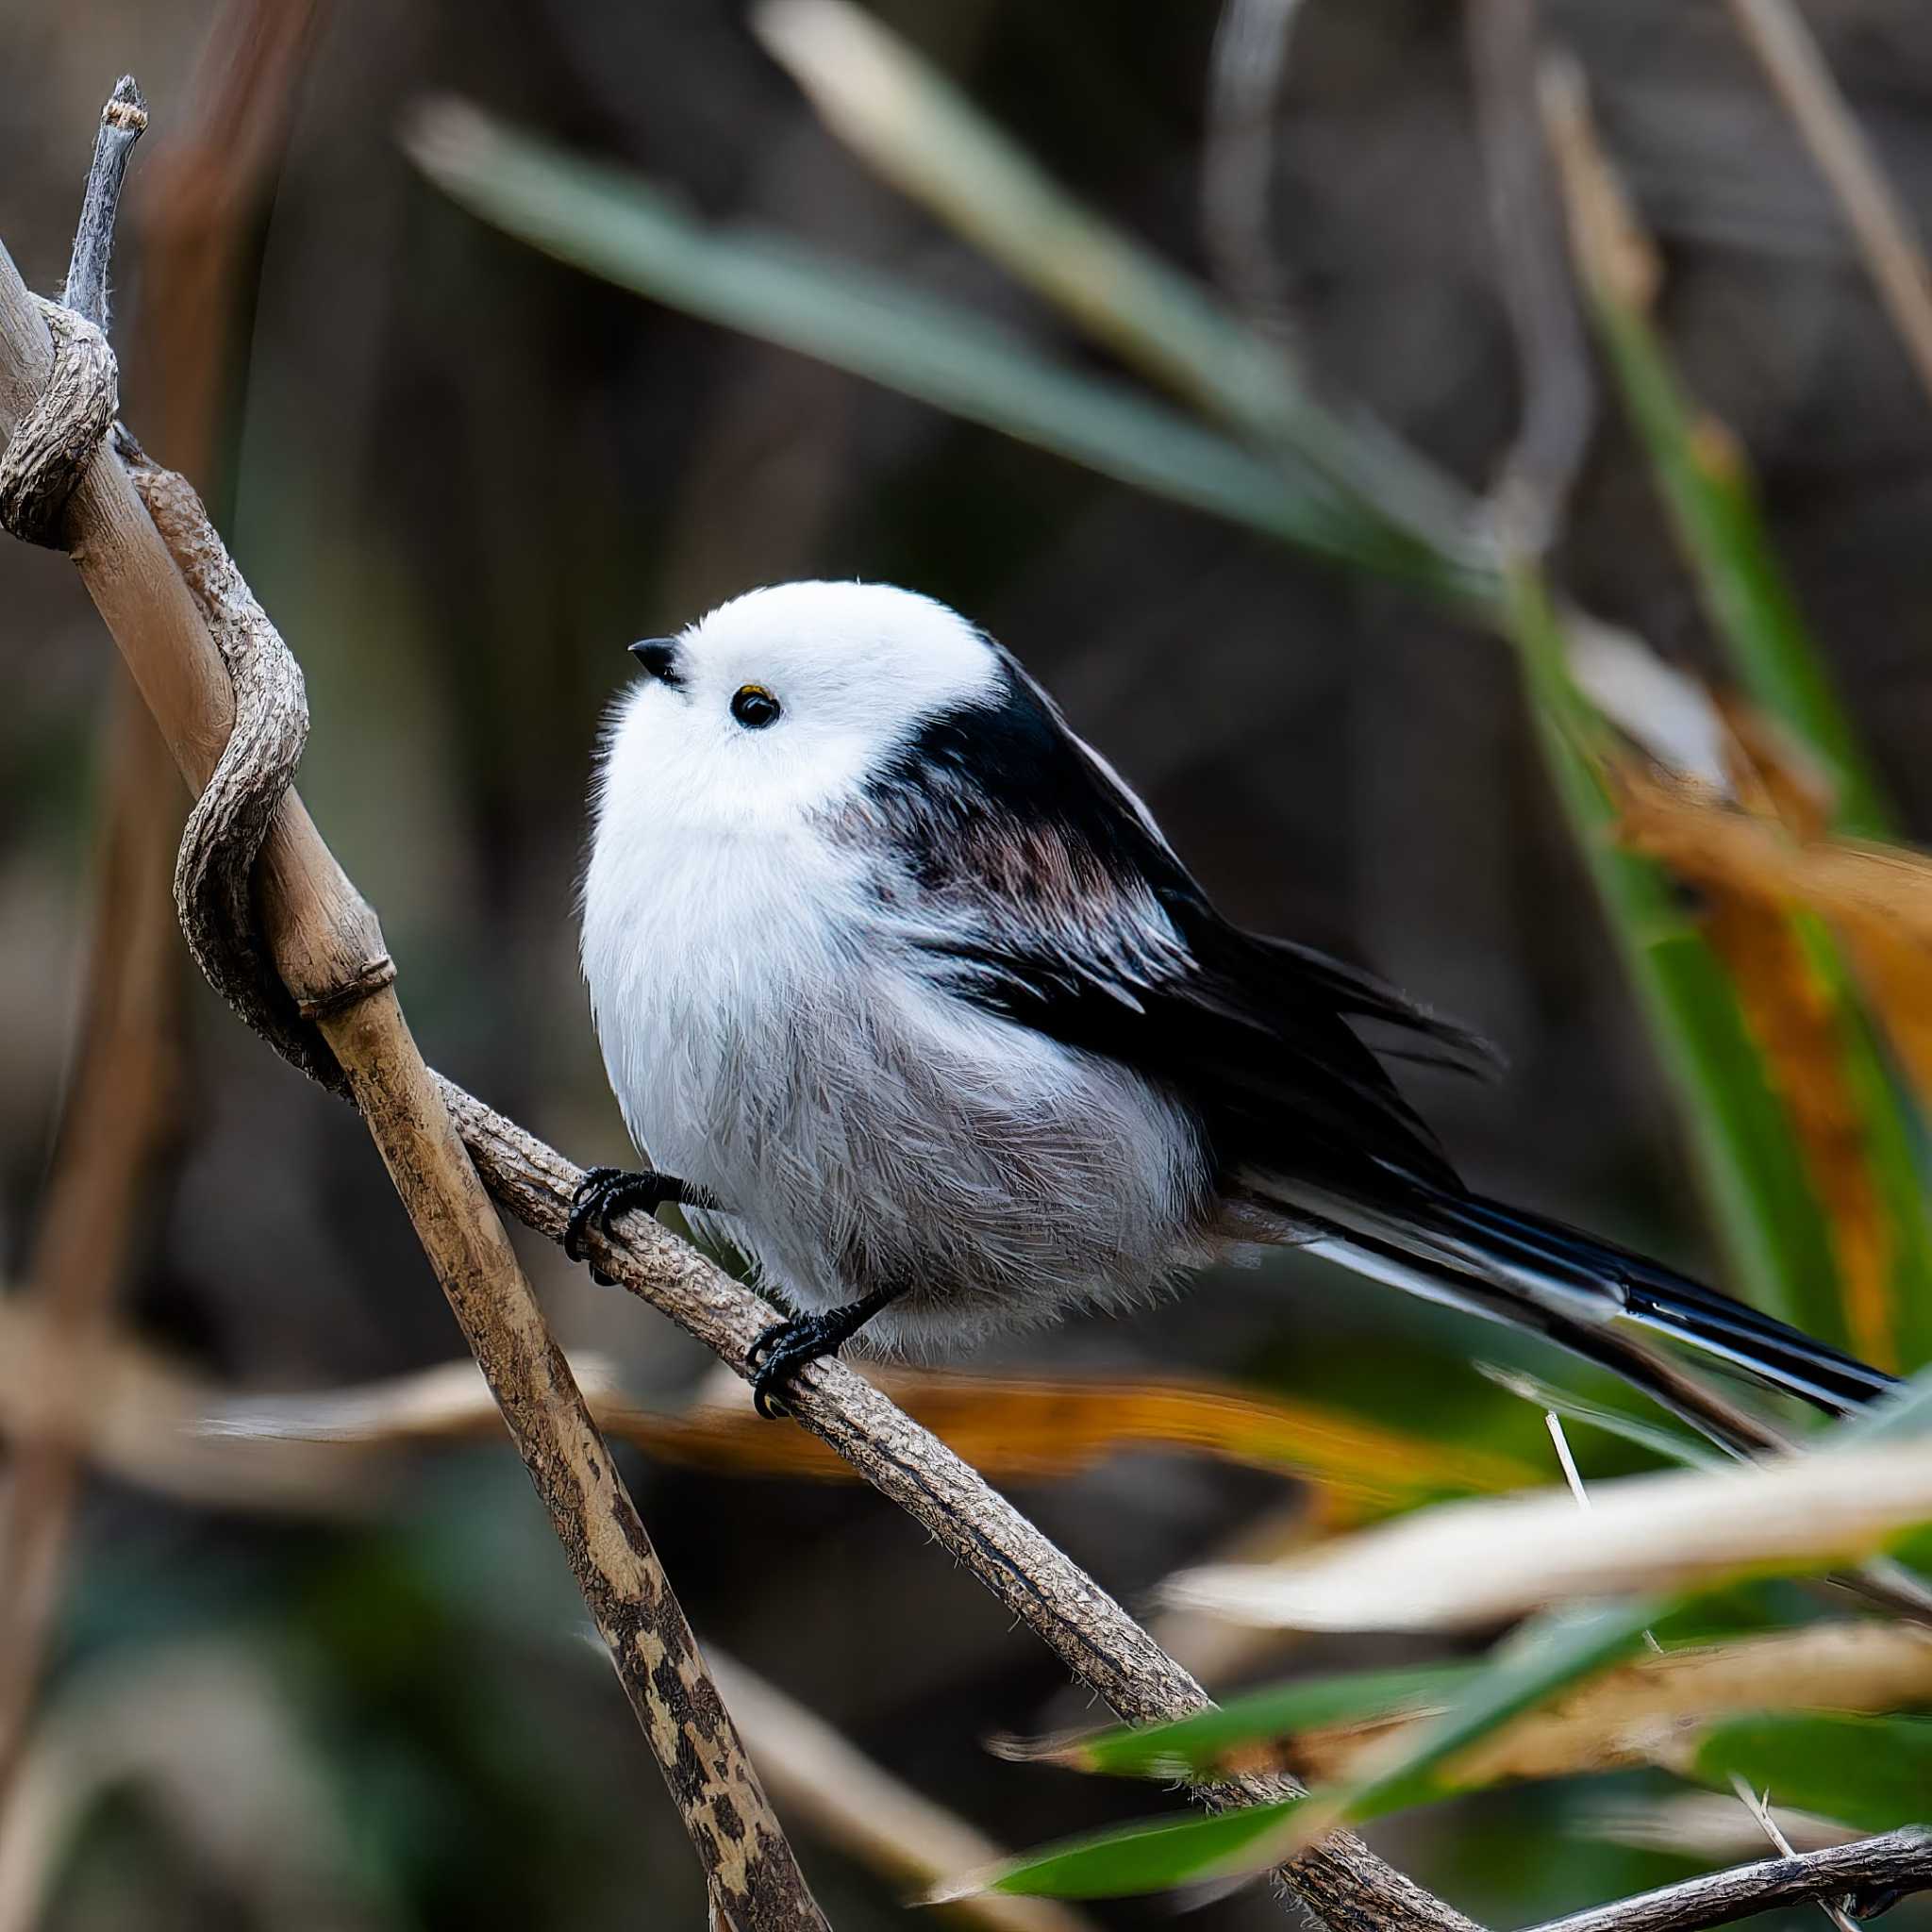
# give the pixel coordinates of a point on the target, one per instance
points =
(909, 1001)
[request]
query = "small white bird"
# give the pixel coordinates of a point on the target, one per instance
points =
(909, 1001)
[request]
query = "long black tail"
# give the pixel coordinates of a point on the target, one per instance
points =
(1517, 1267)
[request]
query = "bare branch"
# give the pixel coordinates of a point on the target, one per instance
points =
(124, 120)
(1870, 1870)
(1097, 1640)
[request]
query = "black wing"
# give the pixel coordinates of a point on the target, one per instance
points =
(1078, 919)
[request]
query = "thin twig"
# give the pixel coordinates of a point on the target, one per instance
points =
(1894, 254)
(124, 120)
(1899, 1861)
(1526, 225)
(1244, 74)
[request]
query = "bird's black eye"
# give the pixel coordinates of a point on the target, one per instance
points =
(755, 708)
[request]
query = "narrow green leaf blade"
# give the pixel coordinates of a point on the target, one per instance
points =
(1752, 607)
(926, 137)
(1198, 1745)
(1130, 1858)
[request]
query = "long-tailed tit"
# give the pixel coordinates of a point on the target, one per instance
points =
(909, 1001)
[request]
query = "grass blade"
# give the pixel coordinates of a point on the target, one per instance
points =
(1533, 1665)
(1204, 1743)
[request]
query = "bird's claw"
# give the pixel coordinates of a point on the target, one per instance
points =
(605, 1192)
(785, 1348)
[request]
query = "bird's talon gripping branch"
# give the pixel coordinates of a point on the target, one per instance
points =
(785, 1347)
(608, 1190)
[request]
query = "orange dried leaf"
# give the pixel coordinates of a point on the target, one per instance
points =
(1034, 1428)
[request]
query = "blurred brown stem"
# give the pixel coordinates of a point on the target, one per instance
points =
(115, 1114)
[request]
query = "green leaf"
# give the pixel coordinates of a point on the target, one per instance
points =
(1874, 1772)
(1708, 490)
(617, 226)
(1131, 1858)
(1192, 1746)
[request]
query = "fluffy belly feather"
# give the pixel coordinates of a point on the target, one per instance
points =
(868, 1131)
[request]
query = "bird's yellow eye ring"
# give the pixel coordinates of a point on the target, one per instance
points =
(755, 708)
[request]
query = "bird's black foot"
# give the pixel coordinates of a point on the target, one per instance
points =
(608, 1190)
(785, 1347)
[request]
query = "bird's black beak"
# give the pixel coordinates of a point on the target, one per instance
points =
(658, 655)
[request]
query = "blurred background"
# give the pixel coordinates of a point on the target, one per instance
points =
(462, 478)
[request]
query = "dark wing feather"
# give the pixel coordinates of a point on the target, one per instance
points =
(1077, 920)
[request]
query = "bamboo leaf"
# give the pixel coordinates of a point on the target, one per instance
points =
(1879, 898)
(1132, 1858)
(1212, 1741)
(1344, 1728)
(1026, 1428)
(1533, 1665)
(1773, 1230)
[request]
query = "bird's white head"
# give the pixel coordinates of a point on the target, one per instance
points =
(781, 703)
